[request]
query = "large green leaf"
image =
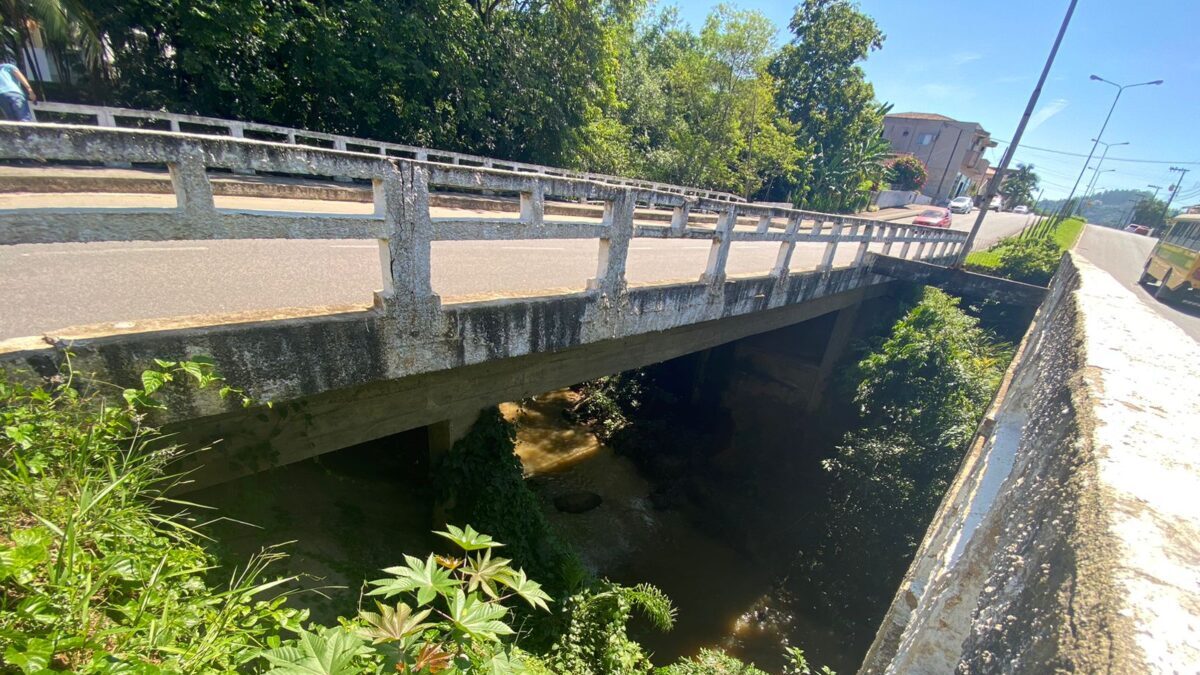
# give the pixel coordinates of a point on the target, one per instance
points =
(484, 571)
(427, 579)
(393, 623)
(531, 591)
(478, 618)
(468, 539)
(333, 651)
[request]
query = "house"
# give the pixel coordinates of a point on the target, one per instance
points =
(951, 150)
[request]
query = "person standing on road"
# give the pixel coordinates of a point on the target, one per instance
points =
(15, 94)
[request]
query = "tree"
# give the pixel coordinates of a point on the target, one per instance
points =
(698, 109)
(505, 78)
(62, 24)
(824, 91)
(1019, 185)
(1150, 212)
(906, 173)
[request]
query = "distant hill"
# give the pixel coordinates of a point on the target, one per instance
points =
(1110, 207)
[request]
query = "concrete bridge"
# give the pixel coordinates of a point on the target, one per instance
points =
(347, 376)
(1066, 543)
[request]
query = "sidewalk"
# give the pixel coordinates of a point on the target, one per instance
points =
(894, 213)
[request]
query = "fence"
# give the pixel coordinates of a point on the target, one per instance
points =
(114, 118)
(401, 221)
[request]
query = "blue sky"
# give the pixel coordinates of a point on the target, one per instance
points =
(979, 61)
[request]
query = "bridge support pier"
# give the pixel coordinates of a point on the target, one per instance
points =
(444, 434)
(839, 340)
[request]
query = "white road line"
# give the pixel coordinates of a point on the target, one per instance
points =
(118, 250)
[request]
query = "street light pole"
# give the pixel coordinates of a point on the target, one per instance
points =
(1120, 90)
(1096, 173)
(994, 184)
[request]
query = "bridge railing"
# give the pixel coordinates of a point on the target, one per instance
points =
(114, 118)
(401, 221)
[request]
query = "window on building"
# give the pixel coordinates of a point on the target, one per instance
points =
(924, 139)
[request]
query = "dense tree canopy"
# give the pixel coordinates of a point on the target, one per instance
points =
(602, 85)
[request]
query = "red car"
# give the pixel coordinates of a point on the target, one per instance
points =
(933, 218)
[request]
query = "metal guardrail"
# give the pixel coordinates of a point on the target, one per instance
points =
(401, 221)
(115, 118)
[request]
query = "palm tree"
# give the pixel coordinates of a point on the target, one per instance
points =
(1019, 185)
(63, 24)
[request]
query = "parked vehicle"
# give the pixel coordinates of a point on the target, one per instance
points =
(996, 203)
(961, 205)
(1021, 209)
(1175, 261)
(1138, 229)
(933, 218)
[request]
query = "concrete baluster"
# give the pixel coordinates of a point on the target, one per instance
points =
(174, 124)
(239, 131)
(831, 247)
(402, 199)
(533, 205)
(679, 217)
(764, 224)
(889, 235)
(614, 246)
(783, 259)
(868, 231)
(718, 254)
(922, 246)
(193, 192)
(908, 234)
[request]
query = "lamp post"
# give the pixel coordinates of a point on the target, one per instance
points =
(1120, 90)
(1094, 179)
(1104, 154)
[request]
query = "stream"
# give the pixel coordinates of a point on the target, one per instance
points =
(725, 598)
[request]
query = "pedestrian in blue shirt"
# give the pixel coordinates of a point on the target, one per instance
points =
(15, 94)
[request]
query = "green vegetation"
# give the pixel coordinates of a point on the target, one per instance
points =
(102, 572)
(481, 481)
(94, 575)
(920, 391)
(906, 173)
(1019, 186)
(614, 86)
(1031, 257)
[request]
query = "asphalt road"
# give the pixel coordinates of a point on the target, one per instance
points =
(49, 287)
(1123, 255)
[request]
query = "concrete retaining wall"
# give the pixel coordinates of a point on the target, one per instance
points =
(887, 199)
(1069, 541)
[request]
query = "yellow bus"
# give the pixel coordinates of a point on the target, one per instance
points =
(1175, 261)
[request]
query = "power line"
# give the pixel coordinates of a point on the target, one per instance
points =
(1110, 159)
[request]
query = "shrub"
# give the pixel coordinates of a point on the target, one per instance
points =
(94, 576)
(482, 481)
(710, 662)
(1031, 260)
(450, 618)
(906, 173)
(595, 641)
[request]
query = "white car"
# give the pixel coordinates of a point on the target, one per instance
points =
(1021, 209)
(996, 203)
(961, 205)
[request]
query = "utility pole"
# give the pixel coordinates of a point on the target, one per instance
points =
(994, 184)
(1174, 191)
